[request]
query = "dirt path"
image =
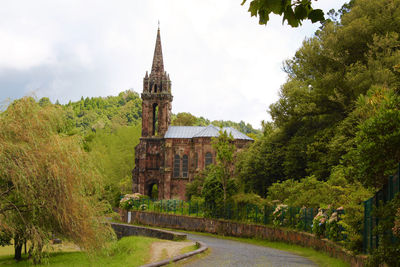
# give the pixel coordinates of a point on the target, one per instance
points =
(167, 249)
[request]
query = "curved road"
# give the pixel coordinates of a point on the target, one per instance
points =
(233, 253)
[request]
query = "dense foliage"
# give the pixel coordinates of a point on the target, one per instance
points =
(335, 132)
(294, 12)
(339, 109)
(48, 185)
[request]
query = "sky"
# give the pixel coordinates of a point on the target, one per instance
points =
(223, 65)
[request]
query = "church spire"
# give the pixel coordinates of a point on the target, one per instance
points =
(158, 65)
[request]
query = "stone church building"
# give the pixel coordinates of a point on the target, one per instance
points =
(170, 156)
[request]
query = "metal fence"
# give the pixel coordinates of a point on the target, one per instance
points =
(281, 215)
(387, 193)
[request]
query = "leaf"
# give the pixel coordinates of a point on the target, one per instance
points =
(316, 15)
(275, 6)
(254, 7)
(290, 17)
(300, 12)
(264, 17)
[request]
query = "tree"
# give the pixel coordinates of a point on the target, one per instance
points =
(225, 149)
(376, 152)
(114, 157)
(48, 185)
(293, 11)
(184, 119)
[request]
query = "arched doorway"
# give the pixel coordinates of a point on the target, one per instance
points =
(152, 190)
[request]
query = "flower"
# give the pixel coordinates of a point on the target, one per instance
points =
(334, 217)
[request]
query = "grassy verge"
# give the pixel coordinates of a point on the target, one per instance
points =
(128, 251)
(188, 249)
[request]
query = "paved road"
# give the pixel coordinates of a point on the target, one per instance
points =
(233, 253)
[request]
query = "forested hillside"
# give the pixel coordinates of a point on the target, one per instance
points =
(111, 127)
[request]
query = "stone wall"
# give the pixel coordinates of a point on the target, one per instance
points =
(237, 229)
(122, 230)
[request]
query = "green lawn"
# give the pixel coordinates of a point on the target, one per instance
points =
(129, 251)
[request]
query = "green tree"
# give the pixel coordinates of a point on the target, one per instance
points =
(225, 149)
(114, 157)
(184, 119)
(47, 182)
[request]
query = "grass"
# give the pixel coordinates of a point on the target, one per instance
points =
(128, 251)
(188, 249)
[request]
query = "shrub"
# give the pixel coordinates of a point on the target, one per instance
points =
(279, 215)
(319, 223)
(129, 200)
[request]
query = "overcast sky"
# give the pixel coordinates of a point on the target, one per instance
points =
(222, 64)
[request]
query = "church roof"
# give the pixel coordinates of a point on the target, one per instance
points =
(202, 131)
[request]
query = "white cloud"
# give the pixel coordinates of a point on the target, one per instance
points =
(223, 65)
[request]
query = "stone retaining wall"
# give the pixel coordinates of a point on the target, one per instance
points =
(122, 230)
(231, 228)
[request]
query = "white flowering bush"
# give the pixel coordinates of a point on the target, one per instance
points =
(319, 223)
(333, 229)
(279, 215)
(128, 201)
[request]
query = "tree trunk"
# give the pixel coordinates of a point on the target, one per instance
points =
(17, 250)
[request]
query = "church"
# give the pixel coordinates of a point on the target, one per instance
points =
(170, 156)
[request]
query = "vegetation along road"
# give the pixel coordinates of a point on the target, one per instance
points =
(226, 252)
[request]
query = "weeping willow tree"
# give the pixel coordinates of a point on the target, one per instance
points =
(47, 184)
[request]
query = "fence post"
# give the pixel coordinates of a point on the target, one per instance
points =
(265, 214)
(189, 208)
(256, 214)
(182, 204)
(174, 206)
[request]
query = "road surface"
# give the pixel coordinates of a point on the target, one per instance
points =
(233, 253)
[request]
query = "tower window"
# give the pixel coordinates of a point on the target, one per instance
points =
(155, 119)
(155, 88)
(185, 164)
(177, 166)
(208, 159)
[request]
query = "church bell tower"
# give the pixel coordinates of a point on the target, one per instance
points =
(156, 96)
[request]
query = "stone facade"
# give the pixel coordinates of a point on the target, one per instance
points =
(166, 157)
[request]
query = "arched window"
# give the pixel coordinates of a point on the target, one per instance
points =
(209, 159)
(155, 88)
(155, 119)
(185, 166)
(177, 166)
(196, 159)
